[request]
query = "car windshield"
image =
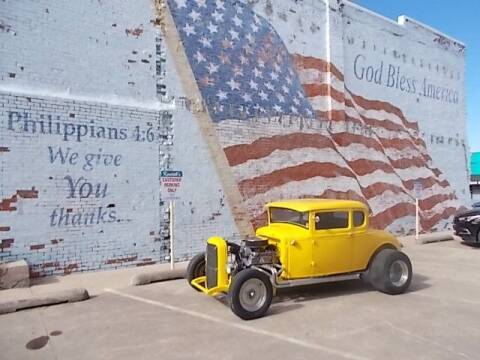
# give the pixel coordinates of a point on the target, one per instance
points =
(281, 215)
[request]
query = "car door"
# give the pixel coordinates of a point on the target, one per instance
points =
(332, 242)
(362, 247)
(299, 257)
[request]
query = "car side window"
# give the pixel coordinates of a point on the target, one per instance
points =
(331, 220)
(358, 218)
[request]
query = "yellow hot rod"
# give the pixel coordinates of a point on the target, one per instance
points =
(306, 241)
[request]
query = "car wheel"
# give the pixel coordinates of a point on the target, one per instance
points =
(390, 272)
(251, 294)
(196, 268)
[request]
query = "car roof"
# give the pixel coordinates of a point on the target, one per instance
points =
(316, 204)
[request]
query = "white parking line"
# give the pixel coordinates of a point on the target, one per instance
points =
(243, 327)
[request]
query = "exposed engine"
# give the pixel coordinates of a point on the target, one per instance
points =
(251, 252)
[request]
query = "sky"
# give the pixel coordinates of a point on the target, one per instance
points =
(457, 19)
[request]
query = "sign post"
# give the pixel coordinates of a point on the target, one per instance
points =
(172, 249)
(171, 181)
(417, 188)
(417, 219)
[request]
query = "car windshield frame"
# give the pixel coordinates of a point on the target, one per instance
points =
(304, 214)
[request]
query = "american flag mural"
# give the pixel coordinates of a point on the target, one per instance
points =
(290, 127)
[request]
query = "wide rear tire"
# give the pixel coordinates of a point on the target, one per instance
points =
(196, 268)
(251, 294)
(390, 272)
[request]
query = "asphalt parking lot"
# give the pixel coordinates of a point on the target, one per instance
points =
(439, 318)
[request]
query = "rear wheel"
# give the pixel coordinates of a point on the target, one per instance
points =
(196, 268)
(251, 294)
(390, 272)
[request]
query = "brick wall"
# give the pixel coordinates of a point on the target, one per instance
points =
(98, 98)
(85, 192)
(101, 48)
(82, 84)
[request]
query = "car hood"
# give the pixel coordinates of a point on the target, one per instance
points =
(468, 213)
(280, 231)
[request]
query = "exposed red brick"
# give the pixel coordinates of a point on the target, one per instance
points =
(121, 260)
(134, 31)
(6, 204)
(51, 264)
(4, 149)
(4, 228)
(69, 268)
(146, 263)
(37, 247)
(34, 274)
(6, 243)
(28, 194)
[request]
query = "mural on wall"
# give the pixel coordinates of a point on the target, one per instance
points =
(94, 200)
(288, 130)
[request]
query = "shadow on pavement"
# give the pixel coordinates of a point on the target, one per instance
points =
(342, 288)
(321, 291)
(419, 282)
(276, 308)
(470, 245)
(44, 280)
(292, 298)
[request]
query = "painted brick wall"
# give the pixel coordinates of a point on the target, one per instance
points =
(87, 48)
(371, 140)
(85, 192)
(111, 74)
(132, 69)
(426, 58)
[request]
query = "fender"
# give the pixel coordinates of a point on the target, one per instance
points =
(380, 248)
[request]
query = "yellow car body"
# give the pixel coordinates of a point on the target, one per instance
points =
(308, 252)
(305, 248)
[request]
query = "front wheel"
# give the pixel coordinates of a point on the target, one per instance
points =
(390, 272)
(196, 268)
(251, 294)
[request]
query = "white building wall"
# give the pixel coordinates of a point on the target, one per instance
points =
(109, 65)
(426, 57)
(98, 64)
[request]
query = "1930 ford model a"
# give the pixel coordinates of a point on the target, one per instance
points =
(306, 241)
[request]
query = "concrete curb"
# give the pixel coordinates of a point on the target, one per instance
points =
(51, 298)
(431, 238)
(159, 275)
(14, 274)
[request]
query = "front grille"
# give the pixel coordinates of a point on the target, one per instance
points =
(212, 266)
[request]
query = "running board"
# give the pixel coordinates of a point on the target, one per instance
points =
(313, 281)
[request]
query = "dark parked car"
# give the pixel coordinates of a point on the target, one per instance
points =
(467, 225)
